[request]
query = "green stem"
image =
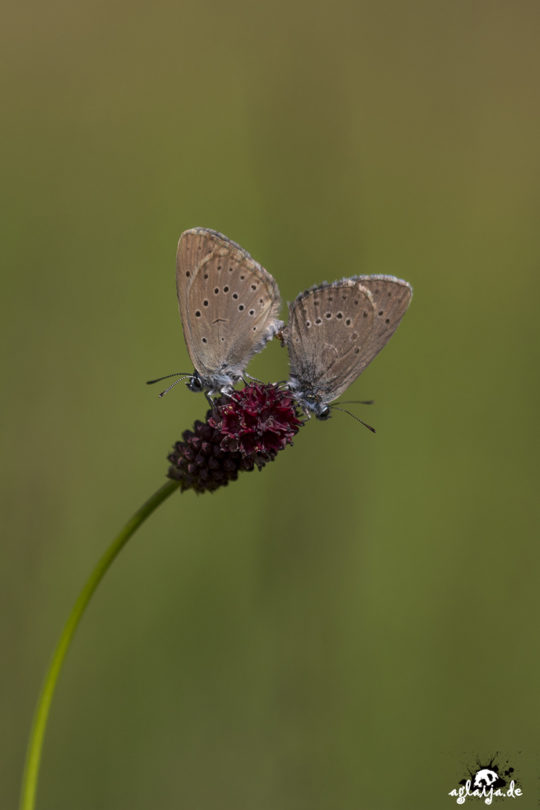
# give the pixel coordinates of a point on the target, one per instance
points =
(37, 733)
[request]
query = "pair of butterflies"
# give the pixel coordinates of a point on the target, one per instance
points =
(229, 306)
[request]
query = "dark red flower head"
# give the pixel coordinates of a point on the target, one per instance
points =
(244, 429)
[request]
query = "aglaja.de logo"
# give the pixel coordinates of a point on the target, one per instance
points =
(486, 782)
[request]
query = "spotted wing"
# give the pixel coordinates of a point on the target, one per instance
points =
(328, 330)
(391, 299)
(229, 304)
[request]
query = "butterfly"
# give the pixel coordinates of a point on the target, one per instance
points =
(229, 306)
(335, 330)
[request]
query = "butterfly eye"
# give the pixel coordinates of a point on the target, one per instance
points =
(324, 413)
(195, 383)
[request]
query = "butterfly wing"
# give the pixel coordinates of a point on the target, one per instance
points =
(328, 326)
(228, 303)
(335, 331)
(391, 299)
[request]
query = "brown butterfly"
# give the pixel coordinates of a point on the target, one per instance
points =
(335, 330)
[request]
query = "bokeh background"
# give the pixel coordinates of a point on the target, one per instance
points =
(357, 624)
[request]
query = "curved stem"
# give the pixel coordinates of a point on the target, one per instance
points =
(37, 733)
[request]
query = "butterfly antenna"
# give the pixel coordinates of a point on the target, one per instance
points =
(365, 424)
(167, 376)
(162, 394)
(357, 402)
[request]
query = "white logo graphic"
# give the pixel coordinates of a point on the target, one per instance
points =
(485, 777)
(486, 783)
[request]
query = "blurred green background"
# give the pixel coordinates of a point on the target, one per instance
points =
(352, 627)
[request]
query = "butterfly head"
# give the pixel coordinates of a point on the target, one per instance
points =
(311, 401)
(323, 412)
(210, 384)
(195, 382)
(314, 404)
